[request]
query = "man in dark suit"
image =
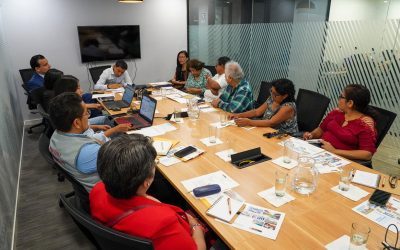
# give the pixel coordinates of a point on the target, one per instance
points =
(40, 65)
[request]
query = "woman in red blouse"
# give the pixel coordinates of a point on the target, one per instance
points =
(126, 167)
(349, 131)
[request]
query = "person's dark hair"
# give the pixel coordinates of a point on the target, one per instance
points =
(285, 86)
(177, 57)
(51, 77)
(66, 83)
(122, 64)
(196, 64)
(64, 109)
(361, 97)
(34, 62)
(124, 163)
(223, 60)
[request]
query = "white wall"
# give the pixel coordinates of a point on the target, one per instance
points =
(49, 27)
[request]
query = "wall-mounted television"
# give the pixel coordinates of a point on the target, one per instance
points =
(109, 43)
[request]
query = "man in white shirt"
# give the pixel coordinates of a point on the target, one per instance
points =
(114, 77)
(216, 84)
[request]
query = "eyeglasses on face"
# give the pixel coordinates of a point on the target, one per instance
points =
(88, 113)
(341, 96)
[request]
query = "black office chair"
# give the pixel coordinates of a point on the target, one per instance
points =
(26, 75)
(95, 72)
(80, 193)
(384, 121)
(311, 107)
(105, 237)
(264, 93)
(211, 69)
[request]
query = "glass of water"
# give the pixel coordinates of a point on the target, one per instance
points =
(177, 115)
(359, 236)
(345, 177)
(280, 183)
(287, 151)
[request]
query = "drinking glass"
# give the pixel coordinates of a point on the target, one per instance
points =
(177, 115)
(223, 118)
(280, 183)
(287, 151)
(212, 134)
(359, 236)
(345, 176)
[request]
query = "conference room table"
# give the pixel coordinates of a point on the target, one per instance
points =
(310, 222)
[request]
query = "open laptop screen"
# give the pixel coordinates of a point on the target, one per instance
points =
(147, 108)
(128, 94)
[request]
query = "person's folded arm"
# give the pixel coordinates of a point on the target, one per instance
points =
(354, 154)
(87, 158)
(237, 104)
(101, 83)
(127, 79)
(285, 113)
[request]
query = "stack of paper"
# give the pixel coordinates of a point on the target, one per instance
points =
(162, 147)
(225, 208)
(366, 178)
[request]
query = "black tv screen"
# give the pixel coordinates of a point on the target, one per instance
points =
(106, 43)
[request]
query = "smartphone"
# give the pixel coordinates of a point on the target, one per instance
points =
(185, 151)
(270, 135)
(379, 198)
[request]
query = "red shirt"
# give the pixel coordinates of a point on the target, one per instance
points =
(358, 134)
(159, 222)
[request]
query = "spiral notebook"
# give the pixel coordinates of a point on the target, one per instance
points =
(225, 208)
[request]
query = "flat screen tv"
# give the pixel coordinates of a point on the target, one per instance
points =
(109, 43)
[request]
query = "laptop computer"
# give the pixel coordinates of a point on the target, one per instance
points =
(144, 118)
(126, 99)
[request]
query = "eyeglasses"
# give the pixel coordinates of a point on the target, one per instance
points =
(88, 113)
(341, 97)
(274, 94)
(393, 181)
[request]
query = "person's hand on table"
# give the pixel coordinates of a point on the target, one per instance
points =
(215, 102)
(307, 136)
(114, 85)
(232, 116)
(242, 122)
(327, 146)
(94, 106)
(123, 127)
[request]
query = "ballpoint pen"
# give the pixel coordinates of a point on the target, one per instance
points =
(383, 181)
(229, 205)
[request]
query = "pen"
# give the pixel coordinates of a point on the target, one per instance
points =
(383, 181)
(255, 229)
(229, 205)
(162, 146)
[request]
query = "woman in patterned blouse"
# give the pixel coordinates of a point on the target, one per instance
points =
(349, 130)
(197, 79)
(278, 112)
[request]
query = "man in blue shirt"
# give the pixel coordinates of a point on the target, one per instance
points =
(73, 146)
(40, 65)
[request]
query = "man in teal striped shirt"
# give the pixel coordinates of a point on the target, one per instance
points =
(238, 96)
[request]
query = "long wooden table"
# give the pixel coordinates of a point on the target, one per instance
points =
(311, 222)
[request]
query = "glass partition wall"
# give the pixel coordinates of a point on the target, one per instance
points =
(320, 45)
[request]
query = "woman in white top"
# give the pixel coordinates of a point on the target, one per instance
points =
(216, 84)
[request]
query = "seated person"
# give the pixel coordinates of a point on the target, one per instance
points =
(238, 96)
(181, 71)
(197, 79)
(70, 146)
(114, 77)
(216, 84)
(68, 83)
(349, 131)
(49, 80)
(40, 65)
(126, 166)
(279, 111)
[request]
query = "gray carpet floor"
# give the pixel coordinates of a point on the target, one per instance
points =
(41, 223)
